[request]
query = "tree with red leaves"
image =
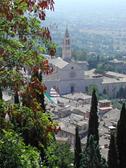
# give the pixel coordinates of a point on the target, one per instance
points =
(20, 34)
(21, 51)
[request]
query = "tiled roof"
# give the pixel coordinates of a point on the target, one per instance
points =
(58, 62)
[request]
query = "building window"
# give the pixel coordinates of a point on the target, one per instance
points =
(72, 89)
(68, 42)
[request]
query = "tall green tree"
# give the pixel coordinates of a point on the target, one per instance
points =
(121, 138)
(91, 157)
(23, 41)
(77, 150)
(93, 119)
(112, 153)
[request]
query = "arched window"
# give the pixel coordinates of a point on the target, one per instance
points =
(68, 42)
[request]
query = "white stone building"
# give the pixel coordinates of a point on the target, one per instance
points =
(67, 77)
(70, 76)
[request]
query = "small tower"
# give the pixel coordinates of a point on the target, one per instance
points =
(66, 49)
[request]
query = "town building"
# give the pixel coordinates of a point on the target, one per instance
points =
(118, 65)
(104, 106)
(74, 77)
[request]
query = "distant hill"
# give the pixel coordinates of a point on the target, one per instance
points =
(94, 25)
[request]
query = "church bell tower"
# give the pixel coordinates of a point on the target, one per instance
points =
(66, 49)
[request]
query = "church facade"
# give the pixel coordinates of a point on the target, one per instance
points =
(70, 76)
(66, 78)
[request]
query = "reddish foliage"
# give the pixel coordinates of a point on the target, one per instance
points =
(30, 96)
(45, 34)
(46, 4)
(9, 16)
(52, 51)
(46, 68)
(53, 129)
(43, 4)
(1, 51)
(42, 15)
(35, 69)
(7, 10)
(12, 10)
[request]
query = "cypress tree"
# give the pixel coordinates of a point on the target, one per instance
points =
(77, 150)
(93, 119)
(91, 157)
(112, 153)
(121, 138)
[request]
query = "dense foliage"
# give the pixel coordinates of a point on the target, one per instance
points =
(59, 155)
(91, 157)
(14, 153)
(23, 41)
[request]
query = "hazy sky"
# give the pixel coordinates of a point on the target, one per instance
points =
(90, 4)
(90, 10)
